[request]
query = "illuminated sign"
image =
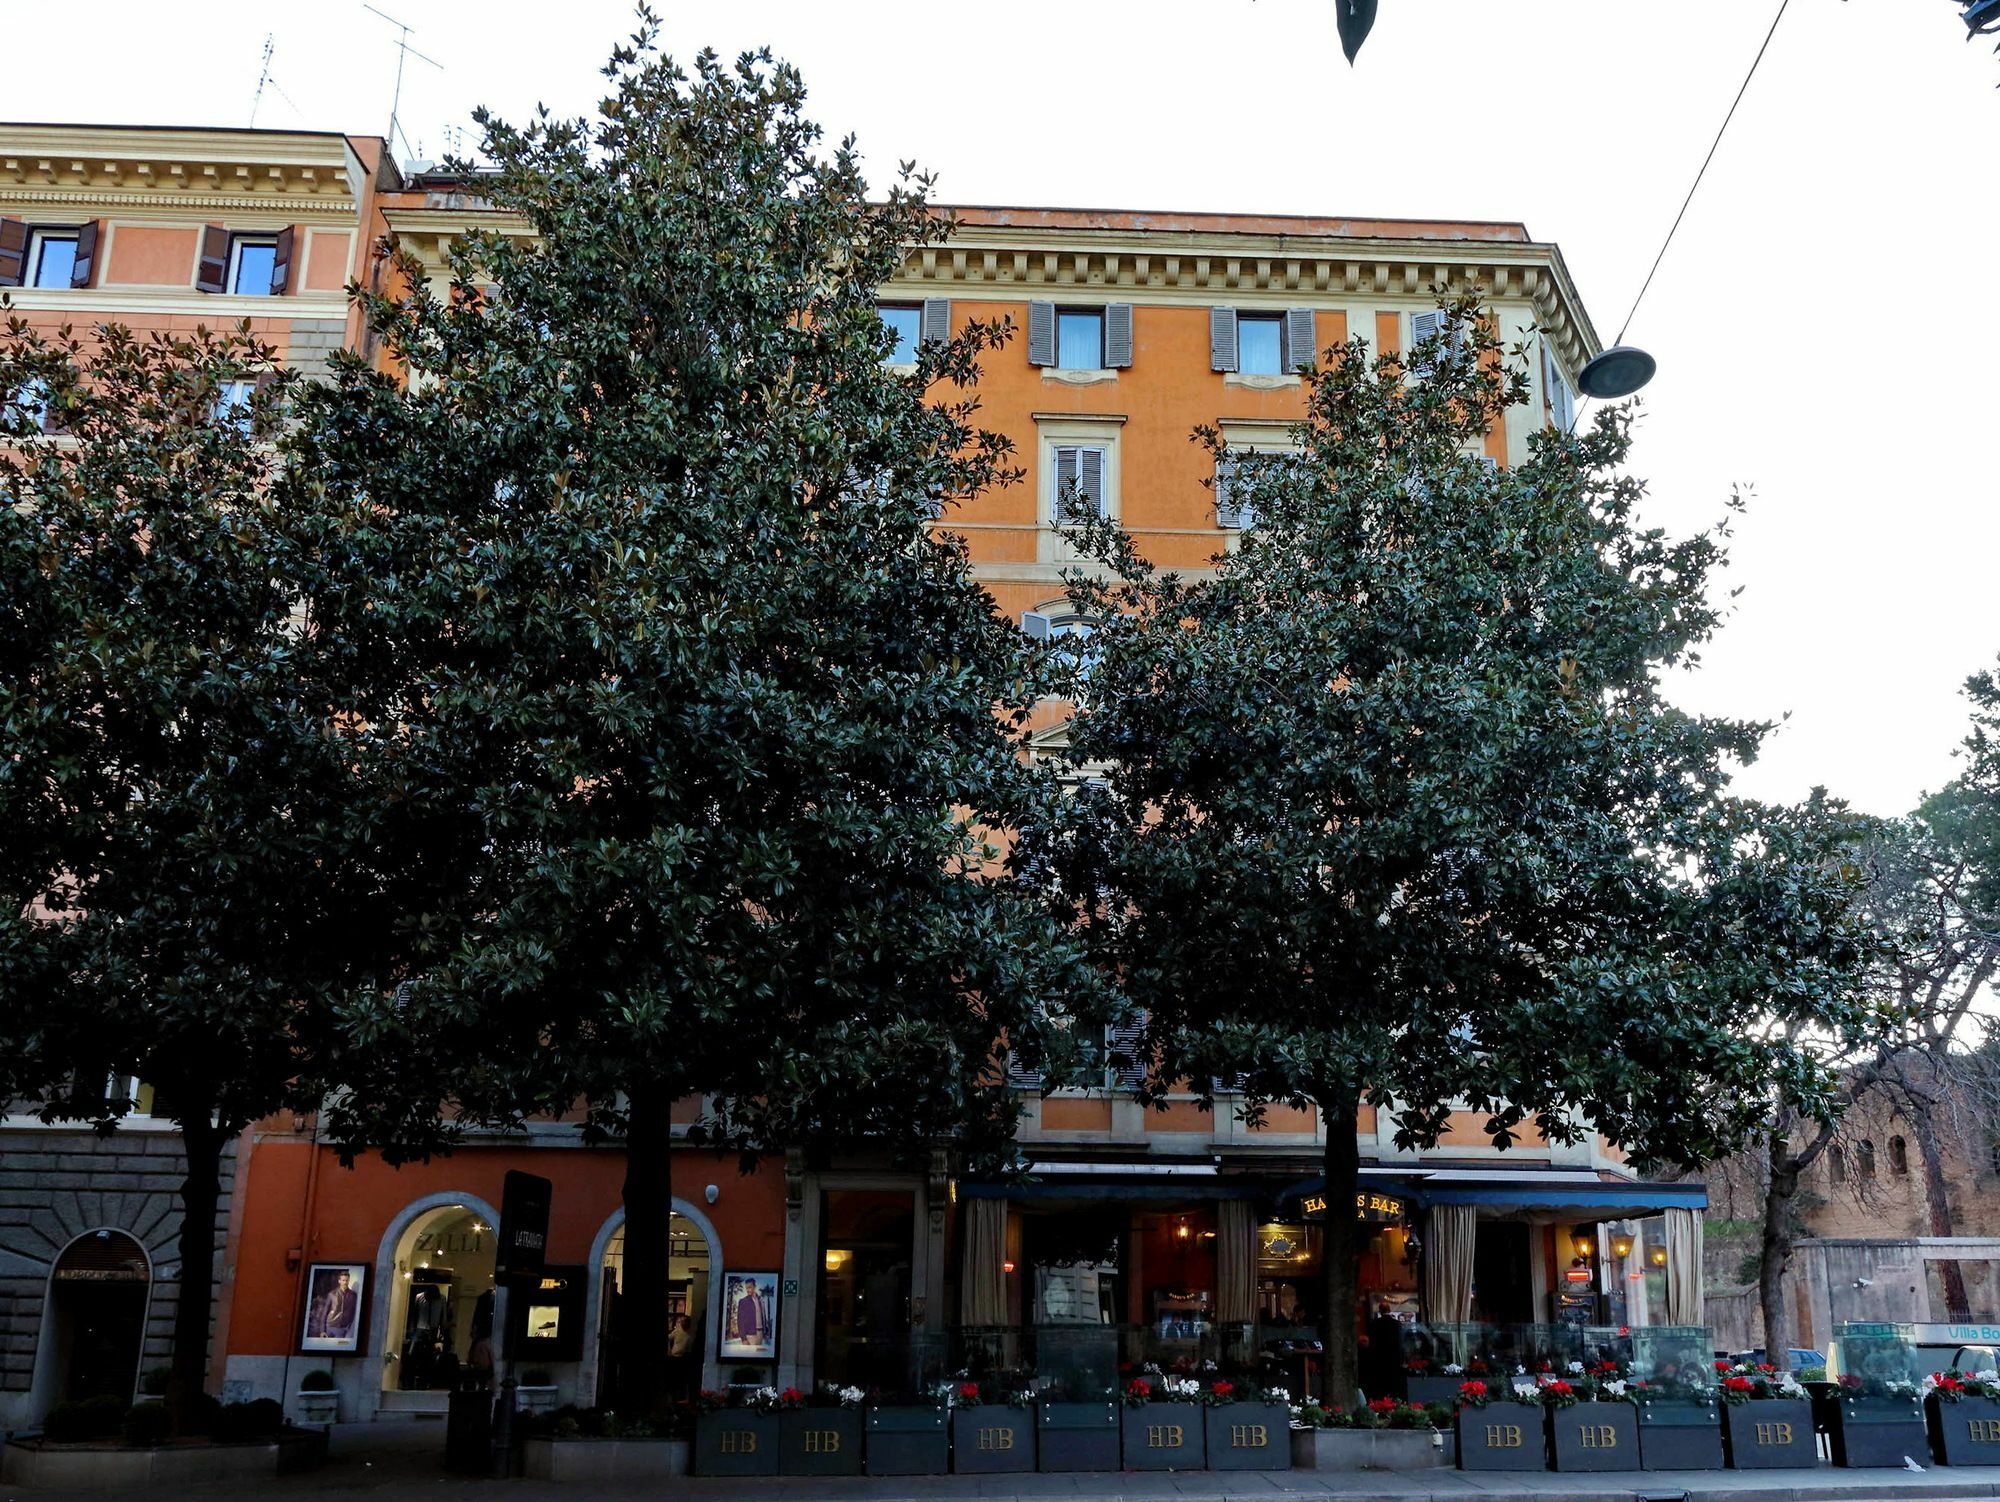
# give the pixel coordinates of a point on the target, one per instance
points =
(1368, 1205)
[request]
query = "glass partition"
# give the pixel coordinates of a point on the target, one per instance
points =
(1673, 1375)
(1876, 1367)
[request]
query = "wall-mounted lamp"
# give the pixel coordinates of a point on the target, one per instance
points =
(1658, 1256)
(1585, 1246)
(1006, 1267)
(711, 1193)
(836, 1259)
(1621, 1247)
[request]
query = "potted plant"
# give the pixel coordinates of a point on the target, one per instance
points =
(992, 1425)
(820, 1431)
(536, 1391)
(1162, 1427)
(911, 1438)
(1680, 1423)
(598, 1446)
(1593, 1424)
(1426, 1381)
(318, 1399)
(1075, 1433)
(1247, 1428)
(737, 1438)
(1501, 1428)
(1878, 1421)
(1766, 1418)
(1962, 1412)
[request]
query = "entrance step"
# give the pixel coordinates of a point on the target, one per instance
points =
(415, 1404)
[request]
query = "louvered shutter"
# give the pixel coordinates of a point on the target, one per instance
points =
(1090, 478)
(213, 271)
(1041, 333)
(1301, 339)
(1118, 336)
(1230, 510)
(1221, 338)
(937, 320)
(1562, 406)
(281, 262)
(1020, 1076)
(84, 270)
(1128, 1062)
(1034, 624)
(13, 251)
(1422, 326)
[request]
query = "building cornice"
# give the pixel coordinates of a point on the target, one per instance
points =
(209, 169)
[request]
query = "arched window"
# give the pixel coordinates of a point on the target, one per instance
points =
(1899, 1156)
(1864, 1160)
(1836, 1164)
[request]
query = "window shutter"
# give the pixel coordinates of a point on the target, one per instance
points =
(1128, 1061)
(1041, 333)
(281, 263)
(213, 271)
(1034, 624)
(1117, 335)
(1090, 478)
(83, 272)
(1562, 405)
(1301, 340)
(1230, 511)
(937, 320)
(13, 251)
(1020, 1076)
(1221, 338)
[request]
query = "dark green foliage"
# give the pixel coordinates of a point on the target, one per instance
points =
(88, 1418)
(318, 1380)
(1395, 811)
(246, 1423)
(147, 1424)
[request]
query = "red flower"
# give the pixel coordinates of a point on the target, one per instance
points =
(1139, 1387)
(1560, 1388)
(1722, 1366)
(791, 1397)
(1607, 1368)
(1472, 1389)
(1382, 1405)
(1223, 1389)
(968, 1392)
(1416, 1364)
(1850, 1380)
(1739, 1384)
(1543, 1366)
(1765, 1366)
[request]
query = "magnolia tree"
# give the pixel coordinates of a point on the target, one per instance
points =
(703, 725)
(185, 887)
(1388, 807)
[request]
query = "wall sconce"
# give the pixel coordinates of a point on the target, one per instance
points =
(1182, 1231)
(836, 1259)
(1658, 1256)
(1621, 1247)
(1585, 1246)
(1006, 1267)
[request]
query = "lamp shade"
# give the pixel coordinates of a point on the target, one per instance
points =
(1619, 371)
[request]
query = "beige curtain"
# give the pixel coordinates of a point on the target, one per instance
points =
(1236, 1263)
(982, 1277)
(1448, 1265)
(1684, 1306)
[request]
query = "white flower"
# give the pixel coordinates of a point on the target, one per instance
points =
(1527, 1389)
(1615, 1388)
(1520, 1370)
(1452, 1368)
(1576, 1368)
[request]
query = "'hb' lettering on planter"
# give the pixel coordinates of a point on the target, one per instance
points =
(998, 1438)
(1503, 1436)
(1598, 1436)
(1774, 1434)
(822, 1441)
(739, 1441)
(1984, 1431)
(1163, 1436)
(1249, 1436)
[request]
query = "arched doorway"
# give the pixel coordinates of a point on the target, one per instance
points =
(690, 1283)
(97, 1312)
(440, 1293)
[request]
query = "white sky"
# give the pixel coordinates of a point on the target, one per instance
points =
(1826, 322)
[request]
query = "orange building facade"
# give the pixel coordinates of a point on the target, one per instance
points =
(1162, 1231)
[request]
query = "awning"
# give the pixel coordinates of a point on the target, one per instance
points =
(1581, 1193)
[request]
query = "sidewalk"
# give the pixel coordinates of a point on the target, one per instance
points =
(407, 1459)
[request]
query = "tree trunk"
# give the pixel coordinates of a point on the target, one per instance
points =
(201, 1193)
(1341, 1248)
(644, 1375)
(1776, 1259)
(1937, 1203)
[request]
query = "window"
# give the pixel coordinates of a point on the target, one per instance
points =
(253, 265)
(1899, 1156)
(1562, 402)
(51, 258)
(1836, 1164)
(1234, 474)
(232, 404)
(906, 322)
(1079, 482)
(1080, 339)
(1864, 1160)
(1260, 344)
(1069, 635)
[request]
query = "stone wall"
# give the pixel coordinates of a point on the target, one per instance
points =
(57, 1184)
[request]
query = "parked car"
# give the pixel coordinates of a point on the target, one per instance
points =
(1803, 1359)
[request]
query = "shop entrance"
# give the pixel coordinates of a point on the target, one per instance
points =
(688, 1335)
(866, 1242)
(441, 1300)
(97, 1313)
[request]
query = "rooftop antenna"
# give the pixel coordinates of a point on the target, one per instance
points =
(263, 77)
(403, 51)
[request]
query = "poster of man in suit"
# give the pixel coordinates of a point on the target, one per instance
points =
(333, 1307)
(749, 1317)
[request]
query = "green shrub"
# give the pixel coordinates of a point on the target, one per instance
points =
(257, 1420)
(91, 1418)
(319, 1379)
(147, 1424)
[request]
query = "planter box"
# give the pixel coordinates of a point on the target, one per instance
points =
(1775, 1435)
(535, 1399)
(605, 1461)
(1164, 1437)
(1370, 1450)
(1076, 1436)
(990, 1437)
(317, 1407)
(1879, 1432)
(170, 1470)
(1249, 1437)
(1503, 1437)
(736, 1442)
(1442, 1390)
(908, 1442)
(819, 1442)
(1680, 1436)
(1964, 1433)
(1595, 1437)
